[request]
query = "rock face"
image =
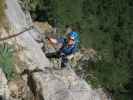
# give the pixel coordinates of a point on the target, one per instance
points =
(45, 82)
(32, 53)
(65, 85)
(19, 90)
(4, 92)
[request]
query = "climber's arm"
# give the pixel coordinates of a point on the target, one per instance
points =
(55, 42)
(52, 40)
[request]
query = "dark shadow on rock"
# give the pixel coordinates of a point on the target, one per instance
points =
(32, 83)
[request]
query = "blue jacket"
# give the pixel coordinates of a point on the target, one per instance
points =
(67, 50)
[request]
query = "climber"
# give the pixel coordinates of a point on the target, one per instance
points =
(67, 47)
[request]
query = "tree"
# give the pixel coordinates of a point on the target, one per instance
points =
(109, 27)
(40, 9)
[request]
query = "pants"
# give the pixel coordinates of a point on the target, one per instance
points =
(64, 59)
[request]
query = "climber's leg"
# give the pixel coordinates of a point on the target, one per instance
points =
(53, 55)
(64, 62)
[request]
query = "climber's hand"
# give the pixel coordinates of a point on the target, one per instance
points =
(52, 40)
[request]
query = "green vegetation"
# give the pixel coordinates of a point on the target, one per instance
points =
(106, 26)
(67, 12)
(6, 51)
(7, 60)
(39, 9)
(109, 26)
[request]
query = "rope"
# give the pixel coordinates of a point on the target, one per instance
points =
(15, 35)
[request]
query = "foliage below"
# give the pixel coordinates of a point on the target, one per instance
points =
(109, 25)
(39, 9)
(7, 60)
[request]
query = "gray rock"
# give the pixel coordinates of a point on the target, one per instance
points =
(4, 92)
